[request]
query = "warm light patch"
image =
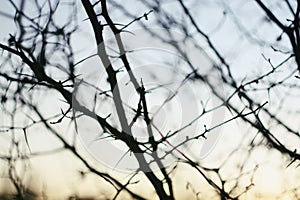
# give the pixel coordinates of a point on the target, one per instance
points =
(268, 180)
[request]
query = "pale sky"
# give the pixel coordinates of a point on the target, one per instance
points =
(59, 172)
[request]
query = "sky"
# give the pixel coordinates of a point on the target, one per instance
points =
(60, 171)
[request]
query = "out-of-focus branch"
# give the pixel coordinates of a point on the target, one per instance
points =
(291, 31)
(131, 143)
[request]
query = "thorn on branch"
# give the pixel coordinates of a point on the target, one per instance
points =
(3, 99)
(11, 40)
(107, 116)
(26, 139)
(64, 115)
(145, 15)
(205, 128)
(97, 2)
(279, 38)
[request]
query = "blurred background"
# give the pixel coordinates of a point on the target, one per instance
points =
(221, 82)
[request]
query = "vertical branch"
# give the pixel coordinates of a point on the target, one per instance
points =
(141, 91)
(130, 141)
(112, 79)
